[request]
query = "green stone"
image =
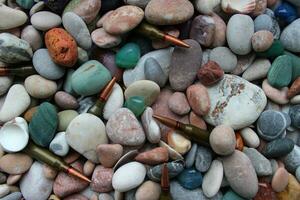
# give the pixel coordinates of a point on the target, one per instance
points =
(90, 78)
(230, 195)
(43, 124)
(278, 148)
(295, 63)
(280, 73)
(275, 50)
(136, 104)
(128, 56)
(64, 119)
(26, 4)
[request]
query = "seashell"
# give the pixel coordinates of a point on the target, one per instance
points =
(129, 156)
(174, 155)
(14, 135)
(238, 6)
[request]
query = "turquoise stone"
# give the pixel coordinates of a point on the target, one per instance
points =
(280, 73)
(230, 195)
(136, 104)
(190, 178)
(128, 56)
(275, 50)
(295, 64)
(90, 78)
(26, 4)
(43, 124)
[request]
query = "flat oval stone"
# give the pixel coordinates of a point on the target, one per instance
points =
(280, 73)
(123, 19)
(222, 140)
(13, 196)
(32, 36)
(43, 124)
(154, 72)
(190, 179)
(64, 119)
(290, 36)
(78, 29)
(207, 7)
(17, 17)
(136, 104)
(105, 40)
(262, 40)
(102, 179)
(268, 23)
(279, 96)
(85, 133)
(198, 98)
(240, 29)
(224, 57)
(123, 181)
(13, 49)
(278, 148)
(280, 180)
(154, 156)
(59, 144)
(257, 70)
(38, 20)
(123, 128)
(65, 100)
(212, 179)
(114, 101)
(17, 163)
(175, 168)
(179, 104)
(128, 56)
(178, 142)
(242, 98)
(250, 137)
(191, 156)
(39, 87)
(246, 184)
(109, 154)
(185, 65)
(203, 159)
(231, 195)
(5, 83)
(44, 65)
(292, 160)
(90, 78)
(148, 190)
(168, 12)
(144, 88)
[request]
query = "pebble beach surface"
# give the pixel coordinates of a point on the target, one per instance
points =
(83, 84)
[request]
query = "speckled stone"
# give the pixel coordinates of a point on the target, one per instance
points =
(203, 159)
(175, 168)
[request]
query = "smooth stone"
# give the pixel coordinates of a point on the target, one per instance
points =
(298, 173)
(67, 86)
(82, 55)
(280, 180)
(224, 57)
(13, 196)
(191, 156)
(268, 23)
(13, 179)
(231, 195)
(38, 20)
(235, 95)
(295, 100)
(32, 36)
(17, 17)
(240, 29)
(13, 49)
(4, 190)
(5, 83)
(185, 64)
(88, 168)
(292, 160)
(274, 51)
(85, 133)
(279, 96)
(243, 63)
(49, 172)
(16, 102)
(78, 29)
(260, 8)
(114, 101)
(262, 40)
(178, 103)
(123, 181)
(109, 154)
(90, 78)
(250, 137)
(44, 65)
(291, 192)
(278, 148)
(294, 89)
(190, 178)
(178, 142)
(294, 115)
(64, 119)
(220, 31)
(210, 73)
(154, 72)
(175, 168)
(128, 56)
(102, 179)
(26, 4)
(85, 103)
(139, 3)
(136, 104)
(123, 128)
(204, 158)
(144, 88)
(260, 163)
(65, 100)
(39, 87)
(42, 186)
(246, 184)
(290, 37)
(257, 70)
(105, 40)
(149, 190)
(150, 126)
(197, 96)
(212, 179)
(105, 196)
(162, 56)
(154, 156)
(207, 7)
(39, 6)
(280, 73)
(59, 144)
(222, 140)
(123, 20)
(17, 163)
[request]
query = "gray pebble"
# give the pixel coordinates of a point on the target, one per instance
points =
(130, 195)
(274, 165)
(290, 37)
(298, 173)
(292, 160)
(175, 167)
(154, 72)
(82, 56)
(59, 144)
(191, 156)
(224, 57)
(67, 87)
(267, 22)
(203, 159)
(13, 196)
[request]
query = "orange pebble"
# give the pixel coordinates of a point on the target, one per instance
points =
(239, 141)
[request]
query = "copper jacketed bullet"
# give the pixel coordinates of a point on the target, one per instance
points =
(165, 183)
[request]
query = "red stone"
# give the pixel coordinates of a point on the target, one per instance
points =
(294, 89)
(210, 73)
(153, 157)
(239, 141)
(102, 179)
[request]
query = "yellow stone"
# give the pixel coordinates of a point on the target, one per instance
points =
(292, 191)
(178, 142)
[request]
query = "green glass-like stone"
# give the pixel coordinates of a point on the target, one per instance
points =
(43, 124)
(136, 104)
(280, 73)
(275, 50)
(26, 4)
(295, 63)
(128, 56)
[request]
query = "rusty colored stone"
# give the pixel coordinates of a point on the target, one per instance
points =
(210, 73)
(294, 89)
(153, 157)
(239, 141)
(29, 113)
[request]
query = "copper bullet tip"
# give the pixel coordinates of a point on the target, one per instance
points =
(108, 89)
(175, 41)
(167, 121)
(77, 174)
(165, 184)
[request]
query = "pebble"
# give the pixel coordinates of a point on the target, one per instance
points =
(212, 179)
(240, 29)
(88, 168)
(175, 168)
(278, 148)
(65, 100)
(295, 117)
(191, 156)
(59, 144)
(37, 7)
(280, 180)
(240, 99)
(45, 67)
(2, 178)
(242, 7)
(49, 172)
(268, 23)
(243, 63)
(246, 184)
(109, 154)
(5, 83)
(123, 19)
(4, 190)
(291, 192)
(17, 163)
(222, 140)
(149, 190)
(38, 20)
(204, 158)
(13, 196)
(39, 87)
(128, 56)
(262, 40)
(257, 70)
(224, 57)
(42, 186)
(231, 195)
(278, 96)
(294, 89)
(250, 137)
(298, 173)
(290, 37)
(17, 17)
(85, 133)
(178, 103)
(210, 73)
(280, 73)
(105, 196)
(160, 12)
(13, 179)
(105, 40)
(207, 7)
(64, 119)
(198, 98)
(197, 121)
(78, 29)
(123, 181)
(190, 179)
(150, 126)
(154, 72)
(153, 157)
(292, 160)
(102, 179)
(13, 49)
(114, 101)
(32, 36)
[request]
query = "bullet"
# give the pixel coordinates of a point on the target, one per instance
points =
(165, 183)
(152, 32)
(194, 133)
(97, 108)
(45, 156)
(19, 71)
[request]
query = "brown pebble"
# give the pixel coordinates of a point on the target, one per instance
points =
(239, 141)
(13, 179)
(29, 113)
(197, 121)
(88, 168)
(109, 154)
(71, 157)
(262, 40)
(15, 163)
(102, 179)
(49, 172)
(149, 190)
(65, 100)
(280, 179)
(178, 103)
(294, 89)
(260, 7)
(153, 157)
(210, 73)
(198, 98)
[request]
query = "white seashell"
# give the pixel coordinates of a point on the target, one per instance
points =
(174, 155)
(207, 7)
(14, 135)
(238, 6)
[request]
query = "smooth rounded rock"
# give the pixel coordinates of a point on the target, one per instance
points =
(278, 148)
(154, 156)
(268, 23)
(279, 96)
(292, 160)
(5, 83)
(102, 179)
(294, 114)
(212, 179)
(175, 168)
(105, 40)
(207, 7)
(17, 163)
(128, 56)
(64, 119)
(224, 57)
(32, 36)
(262, 40)
(109, 154)
(244, 7)
(290, 37)
(59, 144)
(149, 190)
(210, 73)
(190, 179)
(38, 20)
(178, 103)
(203, 159)
(257, 70)
(13, 196)
(65, 100)
(178, 142)
(154, 72)
(280, 180)
(39, 87)
(150, 126)
(280, 73)
(17, 17)
(198, 98)
(114, 101)
(250, 137)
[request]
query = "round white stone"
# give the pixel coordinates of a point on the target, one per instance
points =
(114, 102)
(250, 137)
(59, 144)
(212, 180)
